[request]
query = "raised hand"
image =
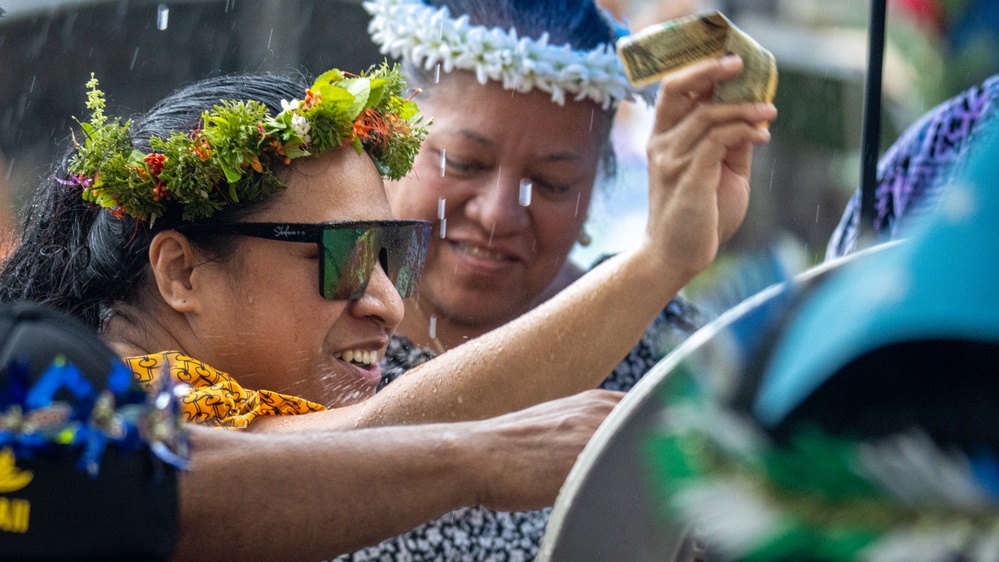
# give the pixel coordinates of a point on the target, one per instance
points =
(699, 164)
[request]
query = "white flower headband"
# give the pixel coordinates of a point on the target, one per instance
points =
(429, 36)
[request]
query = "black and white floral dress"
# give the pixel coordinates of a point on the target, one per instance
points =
(482, 535)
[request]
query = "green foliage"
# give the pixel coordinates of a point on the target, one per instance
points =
(232, 157)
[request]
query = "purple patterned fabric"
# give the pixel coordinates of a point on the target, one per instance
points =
(913, 171)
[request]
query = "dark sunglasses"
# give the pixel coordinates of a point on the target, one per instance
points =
(349, 251)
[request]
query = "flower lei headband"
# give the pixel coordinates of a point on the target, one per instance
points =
(816, 496)
(239, 142)
(429, 36)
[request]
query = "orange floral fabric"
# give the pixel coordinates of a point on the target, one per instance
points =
(216, 399)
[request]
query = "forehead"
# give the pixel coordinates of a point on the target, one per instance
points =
(338, 186)
(461, 105)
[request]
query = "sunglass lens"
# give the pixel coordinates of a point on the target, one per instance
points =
(350, 255)
(347, 262)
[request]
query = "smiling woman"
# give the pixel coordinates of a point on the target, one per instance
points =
(244, 244)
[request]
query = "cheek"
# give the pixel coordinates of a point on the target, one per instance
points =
(558, 223)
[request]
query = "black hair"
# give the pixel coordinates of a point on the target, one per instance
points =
(78, 257)
(577, 23)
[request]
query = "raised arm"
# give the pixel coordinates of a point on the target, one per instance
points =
(699, 166)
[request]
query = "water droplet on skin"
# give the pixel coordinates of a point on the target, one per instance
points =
(162, 17)
(525, 192)
(443, 160)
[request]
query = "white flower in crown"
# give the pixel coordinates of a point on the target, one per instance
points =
(427, 36)
(300, 124)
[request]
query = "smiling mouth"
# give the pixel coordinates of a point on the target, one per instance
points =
(480, 253)
(359, 357)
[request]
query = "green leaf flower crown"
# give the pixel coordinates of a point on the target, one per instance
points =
(238, 143)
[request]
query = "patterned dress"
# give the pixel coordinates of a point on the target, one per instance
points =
(914, 170)
(479, 534)
(214, 398)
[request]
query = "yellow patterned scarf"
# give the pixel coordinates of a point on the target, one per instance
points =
(215, 398)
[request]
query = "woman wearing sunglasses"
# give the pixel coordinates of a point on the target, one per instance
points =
(246, 246)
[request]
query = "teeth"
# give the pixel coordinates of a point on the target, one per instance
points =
(358, 356)
(480, 253)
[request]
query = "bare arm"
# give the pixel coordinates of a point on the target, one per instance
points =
(699, 165)
(319, 494)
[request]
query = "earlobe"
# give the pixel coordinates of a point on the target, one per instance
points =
(172, 261)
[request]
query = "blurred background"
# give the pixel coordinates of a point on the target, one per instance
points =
(141, 50)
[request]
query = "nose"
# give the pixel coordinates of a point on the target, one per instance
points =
(496, 206)
(380, 301)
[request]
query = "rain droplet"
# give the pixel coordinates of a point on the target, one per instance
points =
(578, 197)
(162, 17)
(270, 36)
(440, 31)
(443, 160)
(443, 228)
(437, 73)
(433, 326)
(592, 111)
(135, 55)
(525, 192)
(492, 230)
(440, 208)
(31, 88)
(817, 207)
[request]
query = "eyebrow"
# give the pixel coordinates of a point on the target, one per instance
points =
(479, 138)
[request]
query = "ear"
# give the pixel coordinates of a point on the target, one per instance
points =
(172, 259)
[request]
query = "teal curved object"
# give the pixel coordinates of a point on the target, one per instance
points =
(941, 285)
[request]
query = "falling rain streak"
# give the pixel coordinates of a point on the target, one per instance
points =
(437, 73)
(135, 55)
(578, 196)
(162, 17)
(433, 326)
(440, 215)
(525, 192)
(443, 160)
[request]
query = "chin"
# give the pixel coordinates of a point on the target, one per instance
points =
(337, 388)
(357, 394)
